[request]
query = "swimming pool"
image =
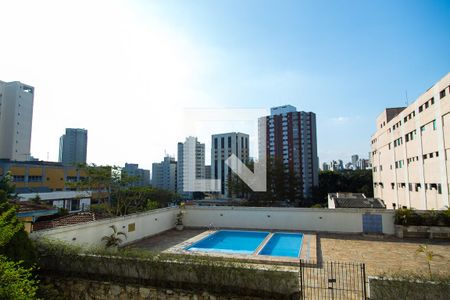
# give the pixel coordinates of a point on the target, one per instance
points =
(230, 241)
(251, 242)
(283, 244)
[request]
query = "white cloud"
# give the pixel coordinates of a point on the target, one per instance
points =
(340, 119)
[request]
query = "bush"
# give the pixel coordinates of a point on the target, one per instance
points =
(409, 217)
(16, 282)
(405, 285)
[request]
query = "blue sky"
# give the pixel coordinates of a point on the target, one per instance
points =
(344, 60)
(125, 70)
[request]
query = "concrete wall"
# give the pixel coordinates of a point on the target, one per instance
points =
(306, 219)
(145, 224)
(160, 220)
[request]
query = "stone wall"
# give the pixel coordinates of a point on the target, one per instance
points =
(178, 272)
(82, 289)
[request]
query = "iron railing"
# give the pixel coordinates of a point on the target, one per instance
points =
(332, 280)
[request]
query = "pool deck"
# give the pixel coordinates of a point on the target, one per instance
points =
(176, 242)
(381, 254)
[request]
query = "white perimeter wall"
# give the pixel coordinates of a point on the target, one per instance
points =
(270, 218)
(307, 219)
(146, 224)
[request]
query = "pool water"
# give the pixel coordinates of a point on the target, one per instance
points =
(283, 244)
(231, 241)
(247, 242)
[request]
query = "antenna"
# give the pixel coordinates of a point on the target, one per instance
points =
(48, 156)
(406, 94)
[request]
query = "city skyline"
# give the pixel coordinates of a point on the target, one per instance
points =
(212, 55)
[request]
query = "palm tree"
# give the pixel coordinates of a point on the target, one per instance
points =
(429, 256)
(113, 240)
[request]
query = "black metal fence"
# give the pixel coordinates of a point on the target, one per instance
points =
(332, 280)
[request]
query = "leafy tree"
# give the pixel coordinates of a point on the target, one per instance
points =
(99, 180)
(14, 241)
(358, 181)
(17, 253)
(16, 281)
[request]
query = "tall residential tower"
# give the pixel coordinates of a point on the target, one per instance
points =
(16, 115)
(198, 157)
(222, 147)
(291, 141)
(73, 146)
(164, 174)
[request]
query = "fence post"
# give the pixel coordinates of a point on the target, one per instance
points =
(363, 271)
(301, 280)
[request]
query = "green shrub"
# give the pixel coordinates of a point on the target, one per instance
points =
(409, 217)
(16, 282)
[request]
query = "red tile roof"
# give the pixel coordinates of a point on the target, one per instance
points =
(66, 220)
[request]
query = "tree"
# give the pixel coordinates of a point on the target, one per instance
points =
(359, 181)
(99, 180)
(17, 253)
(14, 241)
(16, 281)
(113, 240)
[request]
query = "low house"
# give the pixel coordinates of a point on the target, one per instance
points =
(353, 200)
(73, 201)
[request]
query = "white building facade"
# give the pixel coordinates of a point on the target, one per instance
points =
(411, 152)
(183, 158)
(16, 116)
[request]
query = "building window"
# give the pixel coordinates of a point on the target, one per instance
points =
(34, 178)
(434, 125)
(392, 185)
(18, 178)
(442, 94)
(215, 143)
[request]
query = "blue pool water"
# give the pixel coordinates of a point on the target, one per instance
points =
(230, 241)
(283, 244)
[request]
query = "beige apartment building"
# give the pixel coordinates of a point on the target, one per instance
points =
(411, 152)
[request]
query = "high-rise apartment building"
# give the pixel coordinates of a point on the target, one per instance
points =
(291, 140)
(16, 116)
(191, 147)
(411, 151)
(222, 147)
(73, 146)
(141, 177)
(164, 174)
